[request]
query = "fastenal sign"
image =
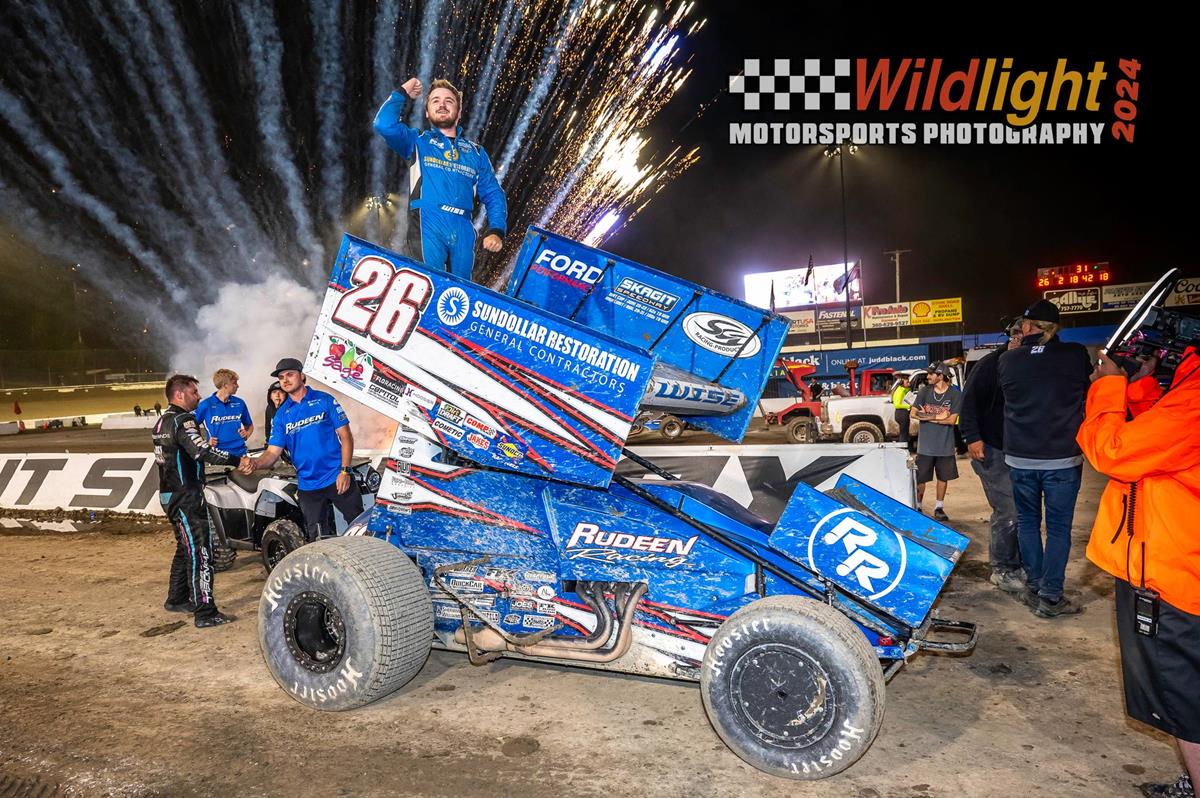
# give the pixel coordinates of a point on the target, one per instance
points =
(936, 311)
(1124, 296)
(894, 314)
(1075, 300)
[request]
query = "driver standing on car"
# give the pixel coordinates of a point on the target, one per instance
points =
(313, 429)
(181, 451)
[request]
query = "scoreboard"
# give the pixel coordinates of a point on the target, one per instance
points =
(1071, 276)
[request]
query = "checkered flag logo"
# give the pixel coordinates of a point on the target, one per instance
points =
(777, 88)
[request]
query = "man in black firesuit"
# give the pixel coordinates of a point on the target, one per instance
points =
(181, 450)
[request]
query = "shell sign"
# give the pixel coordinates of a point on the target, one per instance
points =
(936, 311)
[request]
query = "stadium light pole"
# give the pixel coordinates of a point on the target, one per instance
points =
(835, 151)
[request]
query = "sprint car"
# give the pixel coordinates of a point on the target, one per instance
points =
(502, 530)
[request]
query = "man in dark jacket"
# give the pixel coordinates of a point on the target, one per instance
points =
(1045, 383)
(181, 452)
(982, 425)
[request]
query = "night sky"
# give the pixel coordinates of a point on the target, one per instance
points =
(979, 219)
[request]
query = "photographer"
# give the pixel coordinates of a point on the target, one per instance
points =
(1148, 442)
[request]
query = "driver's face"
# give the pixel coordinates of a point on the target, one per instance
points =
(442, 108)
(232, 385)
(189, 397)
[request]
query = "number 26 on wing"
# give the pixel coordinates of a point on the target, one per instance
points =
(385, 303)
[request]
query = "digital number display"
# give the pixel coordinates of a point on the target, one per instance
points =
(1078, 275)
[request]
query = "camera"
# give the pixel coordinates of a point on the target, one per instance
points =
(1154, 330)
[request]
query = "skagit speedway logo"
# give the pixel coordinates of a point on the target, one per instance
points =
(843, 546)
(721, 334)
(453, 306)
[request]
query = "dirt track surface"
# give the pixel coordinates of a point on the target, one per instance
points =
(101, 695)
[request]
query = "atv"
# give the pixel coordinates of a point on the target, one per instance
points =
(502, 530)
(259, 512)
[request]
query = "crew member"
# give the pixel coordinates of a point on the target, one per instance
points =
(446, 174)
(181, 451)
(225, 415)
(901, 402)
(1148, 443)
(314, 431)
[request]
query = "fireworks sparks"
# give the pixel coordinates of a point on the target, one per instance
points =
(562, 91)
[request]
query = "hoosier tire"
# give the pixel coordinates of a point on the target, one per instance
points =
(344, 621)
(793, 688)
(280, 539)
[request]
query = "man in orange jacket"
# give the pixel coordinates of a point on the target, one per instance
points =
(1146, 535)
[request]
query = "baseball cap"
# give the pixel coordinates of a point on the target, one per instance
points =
(939, 368)
(287, 364)
(1042, 310)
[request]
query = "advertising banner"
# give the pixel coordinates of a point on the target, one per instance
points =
(894, 314)
(125, 482)
(1122, 297)
(833, 363)
(704, 333)
(501, 382)
(936, 311)
(834, 319)
(1075, 300)
(1186, 292)
(803, 322)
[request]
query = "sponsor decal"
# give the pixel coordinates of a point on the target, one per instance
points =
(345, 359)
(420, 398)
(447, 611)
(453, 306)
(936, 311)
(545, 592)
(483, 429)
(521, 589)
(680, 391)
(478, 441)
(646, 294)
(406, 439)
(721, 334)
(539, 576)
(406, 451)
(512, 619)
(448, 430)
(568, 267)
(842, 544)
(387, 397)
(620, 547)
(547, 607)
(510, 450)
(450, 412)
(483, 602)
(537, 621)
(467, 585)
(522, 604)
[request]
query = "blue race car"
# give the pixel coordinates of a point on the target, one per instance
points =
(502, 529)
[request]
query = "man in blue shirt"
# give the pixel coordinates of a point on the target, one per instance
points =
(312, 427)
(446, 174)
(225, 416)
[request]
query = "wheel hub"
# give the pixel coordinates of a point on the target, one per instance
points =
(314, 631)
(783, 695)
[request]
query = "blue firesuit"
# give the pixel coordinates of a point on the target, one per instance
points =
(445, 175)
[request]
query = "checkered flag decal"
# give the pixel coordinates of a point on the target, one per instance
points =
(776, 89)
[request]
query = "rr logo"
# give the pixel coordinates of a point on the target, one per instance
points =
(845, 547)
(857, 538)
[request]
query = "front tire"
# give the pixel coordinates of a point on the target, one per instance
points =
(344, 621)
(801, 430)
(793, 688)
(280, 539)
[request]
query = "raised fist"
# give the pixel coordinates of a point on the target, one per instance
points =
(412, 87)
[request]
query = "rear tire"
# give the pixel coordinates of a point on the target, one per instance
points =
(793, 688)
(862, 432)
(345, 621)
(280, 539)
